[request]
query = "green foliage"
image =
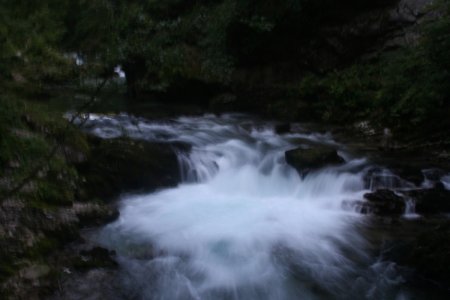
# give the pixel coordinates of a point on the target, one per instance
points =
(157, 42)
(168, 44)
(161, 42)
(30, 35)
(409, 87)
(341, 96)
(28, 134)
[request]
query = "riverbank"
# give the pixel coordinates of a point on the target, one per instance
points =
(55, 181)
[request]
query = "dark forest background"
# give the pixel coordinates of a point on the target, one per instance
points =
(334, 61)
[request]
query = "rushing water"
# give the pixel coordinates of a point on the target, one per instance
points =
(243, 224)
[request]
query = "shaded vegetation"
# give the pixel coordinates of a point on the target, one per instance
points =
(402, 88)
(29, 132)
(196, 50)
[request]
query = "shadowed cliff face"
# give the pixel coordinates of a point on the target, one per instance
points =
(340, 36)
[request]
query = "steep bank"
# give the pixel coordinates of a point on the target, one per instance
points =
(56, 181)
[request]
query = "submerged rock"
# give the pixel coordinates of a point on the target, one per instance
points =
(305, 160)
(385, 202)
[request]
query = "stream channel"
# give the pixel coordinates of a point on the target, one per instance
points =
(243, 224)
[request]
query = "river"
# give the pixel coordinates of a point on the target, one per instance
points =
(243, 224)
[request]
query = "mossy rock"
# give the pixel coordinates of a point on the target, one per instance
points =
(305, 160)
(121, 165)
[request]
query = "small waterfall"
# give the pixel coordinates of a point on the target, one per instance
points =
(385, 179)
(410, 209)
(446, 181)
(243, 224)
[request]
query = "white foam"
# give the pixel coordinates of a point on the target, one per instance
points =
(243, 225)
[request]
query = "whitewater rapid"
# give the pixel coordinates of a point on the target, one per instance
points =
(243, 224)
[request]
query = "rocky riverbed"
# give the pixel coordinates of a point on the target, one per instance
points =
(403, 209)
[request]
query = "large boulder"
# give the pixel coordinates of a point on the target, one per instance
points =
(121, 165)
(305, 160)
(385, 203)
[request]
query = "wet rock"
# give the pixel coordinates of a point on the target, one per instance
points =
(120, 165)
(385, 203)
(305, 160)
(282, 128)
(431, 201)
(379, 178)
(95, 213)
(406, 165)
(97, 257)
